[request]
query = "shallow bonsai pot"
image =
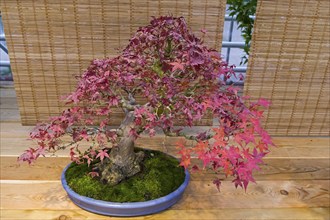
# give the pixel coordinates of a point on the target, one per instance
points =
(125, 209)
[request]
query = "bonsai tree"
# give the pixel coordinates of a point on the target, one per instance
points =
(181, 80)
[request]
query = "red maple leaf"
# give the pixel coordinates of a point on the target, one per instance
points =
(83, 134)
(102, 154)
(264, 102)
(206, 158)
(262, 146)
(89, 160)
(72, 153)
(204, 31)
(217, 183)
(177, 66)
(266, 138)
(227, 167)
(219, 136)
(194, 169)
(181, 144)
(219, 132)
(185, 161)
(201, 146)
(57, 128)
(93, 174)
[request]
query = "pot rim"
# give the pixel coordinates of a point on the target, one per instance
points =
(125, 208)
(175, 192)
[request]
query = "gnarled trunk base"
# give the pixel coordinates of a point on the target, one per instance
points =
(112, 171)
(123, 161)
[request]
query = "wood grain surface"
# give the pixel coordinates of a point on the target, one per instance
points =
(293, 183)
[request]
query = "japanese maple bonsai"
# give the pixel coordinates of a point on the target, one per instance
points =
(181, 80)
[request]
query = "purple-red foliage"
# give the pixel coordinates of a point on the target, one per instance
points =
(180, 78)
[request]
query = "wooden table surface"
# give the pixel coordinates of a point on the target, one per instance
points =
(293, 184)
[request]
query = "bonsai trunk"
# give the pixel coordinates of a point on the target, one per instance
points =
(123, 161)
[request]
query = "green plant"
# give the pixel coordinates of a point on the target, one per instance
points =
(243, 9)
(160, 175)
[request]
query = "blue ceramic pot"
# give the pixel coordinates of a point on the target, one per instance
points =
(125, 209)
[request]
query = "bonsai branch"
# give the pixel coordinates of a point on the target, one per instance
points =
(130, 104)
(202, 136)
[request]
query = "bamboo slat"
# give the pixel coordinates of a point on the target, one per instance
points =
(50, 42)
(289, 65)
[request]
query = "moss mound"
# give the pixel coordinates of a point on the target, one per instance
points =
(160, 175)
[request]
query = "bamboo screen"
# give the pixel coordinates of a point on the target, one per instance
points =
(289, 65)
(50, 42)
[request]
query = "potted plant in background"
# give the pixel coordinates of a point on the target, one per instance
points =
(244, 12)
(181, 80)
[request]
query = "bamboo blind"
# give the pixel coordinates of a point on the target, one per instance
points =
(289, 65)
(50, 42)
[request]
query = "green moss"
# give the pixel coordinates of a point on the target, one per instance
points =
(160, 175)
